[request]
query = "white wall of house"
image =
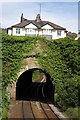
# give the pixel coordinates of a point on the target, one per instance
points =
(37, 32)
(14, 31)
(40, 32)
(55, 36)
(31, 29)
(9, 31)
(22, 32)
(45, 30)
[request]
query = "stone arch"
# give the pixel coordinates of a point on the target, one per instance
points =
(27, 90)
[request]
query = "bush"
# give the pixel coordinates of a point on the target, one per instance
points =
(73, 113)
(60, 58)
(14, 49)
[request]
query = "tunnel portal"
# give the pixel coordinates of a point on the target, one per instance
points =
(26, 89)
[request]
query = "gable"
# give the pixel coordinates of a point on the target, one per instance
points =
(47, 27)
(30, 26)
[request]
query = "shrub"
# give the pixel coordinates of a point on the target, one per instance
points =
(72, 112)
(14, 49)
(60, 58)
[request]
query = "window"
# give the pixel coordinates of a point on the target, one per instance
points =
(46, 31)
(31, 30)
(17, 30)
(59, 32)
(49, 31)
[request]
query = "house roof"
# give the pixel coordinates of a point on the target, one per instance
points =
(39, 24)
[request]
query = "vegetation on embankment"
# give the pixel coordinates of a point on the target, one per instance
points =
(14, 50)
(60, 58)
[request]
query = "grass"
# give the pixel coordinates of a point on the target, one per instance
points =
(73, 113)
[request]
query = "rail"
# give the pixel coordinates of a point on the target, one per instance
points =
(32, 109)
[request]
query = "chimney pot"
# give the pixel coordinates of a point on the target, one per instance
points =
(38, 18)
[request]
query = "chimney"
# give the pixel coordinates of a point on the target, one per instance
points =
(22, 17)
(38, 18)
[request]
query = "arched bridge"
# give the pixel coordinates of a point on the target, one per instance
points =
(26, 89)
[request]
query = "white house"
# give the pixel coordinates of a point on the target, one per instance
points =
(37, 27)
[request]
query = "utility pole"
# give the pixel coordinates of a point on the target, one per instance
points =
(40, 9)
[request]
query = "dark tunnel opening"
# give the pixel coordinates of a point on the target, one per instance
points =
(26, 89)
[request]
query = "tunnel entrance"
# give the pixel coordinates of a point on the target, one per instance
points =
(35, 85)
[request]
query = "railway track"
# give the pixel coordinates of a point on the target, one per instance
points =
(49, 112)
(32, 109)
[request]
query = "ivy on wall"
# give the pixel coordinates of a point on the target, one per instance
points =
(60, 58)
(14, 50)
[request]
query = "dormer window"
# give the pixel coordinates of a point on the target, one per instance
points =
(17, 30)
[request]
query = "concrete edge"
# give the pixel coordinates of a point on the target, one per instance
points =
(58, 113)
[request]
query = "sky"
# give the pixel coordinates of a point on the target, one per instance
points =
(63, 13)
(79, 16)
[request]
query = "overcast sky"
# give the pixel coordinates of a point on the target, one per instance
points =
(64, 14)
